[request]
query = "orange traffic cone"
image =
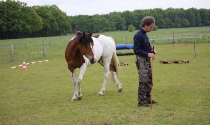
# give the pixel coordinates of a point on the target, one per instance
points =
(24, 65)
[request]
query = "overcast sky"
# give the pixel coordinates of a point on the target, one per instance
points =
(91, 7)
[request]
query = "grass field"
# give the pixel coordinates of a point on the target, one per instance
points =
(42, 93)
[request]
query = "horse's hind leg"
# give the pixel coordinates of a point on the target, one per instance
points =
(106, 75)
(116, 81)
(74, 98)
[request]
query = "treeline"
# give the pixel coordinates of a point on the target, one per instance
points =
(17, 20)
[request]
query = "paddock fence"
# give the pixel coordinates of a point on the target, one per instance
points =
(34, 49)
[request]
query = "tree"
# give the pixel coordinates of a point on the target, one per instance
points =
(185, 23)
(31, 21)
(10, 16)
(82, 23)
(198, 17)
(3, 20)
(138, 16)
(99, 23)
(61, 19)
(159, 16)
(131, 28)
(50, 25)
(128, 17)
(118, 20)
(190, 16)
(205, 17)
(155, 28)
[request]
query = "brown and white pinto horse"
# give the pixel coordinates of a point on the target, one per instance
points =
(84, 50)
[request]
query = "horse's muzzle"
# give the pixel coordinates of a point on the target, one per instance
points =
(92, 60)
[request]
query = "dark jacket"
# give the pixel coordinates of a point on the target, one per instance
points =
(141, 44)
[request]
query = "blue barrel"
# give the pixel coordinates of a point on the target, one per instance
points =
(129, 46)
(120, 46)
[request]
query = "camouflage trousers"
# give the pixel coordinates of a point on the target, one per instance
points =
(144, 69)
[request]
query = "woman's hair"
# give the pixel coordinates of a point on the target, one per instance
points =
(148, 20)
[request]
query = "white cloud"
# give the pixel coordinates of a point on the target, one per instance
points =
(91, 7)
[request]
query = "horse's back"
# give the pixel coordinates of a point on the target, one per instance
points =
(107, 44)
(67, 51)
(106, 40)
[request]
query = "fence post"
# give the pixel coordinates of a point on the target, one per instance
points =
(12, 52)
(44, 48)
(194, 50)
(173, 37)
(116, 41)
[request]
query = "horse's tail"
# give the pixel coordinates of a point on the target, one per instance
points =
(115, 62)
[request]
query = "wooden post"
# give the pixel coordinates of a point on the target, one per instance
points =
(173, 37)
(116, 41)
(194, 50)
(12, 52)
(44, 48)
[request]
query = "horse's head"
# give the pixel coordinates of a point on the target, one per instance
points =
(86, 45)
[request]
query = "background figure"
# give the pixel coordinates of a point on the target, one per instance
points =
(143, 51)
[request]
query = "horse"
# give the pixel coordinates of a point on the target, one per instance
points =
(84, 50)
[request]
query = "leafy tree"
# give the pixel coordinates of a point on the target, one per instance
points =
(99, 23)
(61, 19)
(205, 17)
(112, 26)
(198, 17)
(131, 28)
(155, 28)
(190, 16)
(129, 17)
(138, 16)
(118, 21)
(50, 25)
(82, 23)
(10, 18)
(159, 16)
(185, 23)
(17, 20)
(3, 20)
(31, 21)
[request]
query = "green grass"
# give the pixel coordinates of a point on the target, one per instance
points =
(42, 93)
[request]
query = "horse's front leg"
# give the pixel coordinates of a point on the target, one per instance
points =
(79, 80)
(116, 81)
(106, 75)
(73, 75)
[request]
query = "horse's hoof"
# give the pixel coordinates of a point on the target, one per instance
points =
(79, 98)
(99, 94)
(120, 90)
(73, 100)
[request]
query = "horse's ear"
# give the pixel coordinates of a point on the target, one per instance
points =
(83, 34)
(90, 34)
(76, 31)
